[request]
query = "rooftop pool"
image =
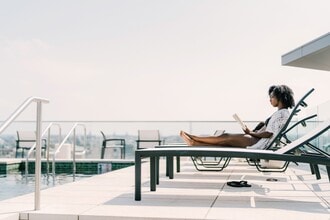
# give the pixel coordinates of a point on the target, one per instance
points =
(17, 184)
(14, 182)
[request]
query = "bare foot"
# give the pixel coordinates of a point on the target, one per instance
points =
(186, 137)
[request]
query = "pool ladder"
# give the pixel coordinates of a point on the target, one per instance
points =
(72, 131)
(48, 129)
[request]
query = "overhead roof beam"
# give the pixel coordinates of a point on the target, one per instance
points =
(312, 55)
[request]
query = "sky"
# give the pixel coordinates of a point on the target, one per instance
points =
(156, 60)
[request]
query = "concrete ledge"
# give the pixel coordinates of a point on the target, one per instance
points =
(12, 216)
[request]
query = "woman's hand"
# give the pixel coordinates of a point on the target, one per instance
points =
(247, 130)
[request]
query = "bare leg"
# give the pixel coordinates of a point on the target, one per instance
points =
(230, 140)
(186, 138)
(189, 139)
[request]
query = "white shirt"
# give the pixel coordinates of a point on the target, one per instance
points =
(275, 124)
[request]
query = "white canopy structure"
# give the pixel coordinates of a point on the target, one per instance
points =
(312, 55)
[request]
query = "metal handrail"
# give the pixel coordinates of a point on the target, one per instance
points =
(11, 118)
(73, 130)
(47, 129)
(19, 110)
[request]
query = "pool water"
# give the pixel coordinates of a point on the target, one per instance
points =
(16, 184)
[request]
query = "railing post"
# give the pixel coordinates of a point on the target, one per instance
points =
(38, 159)
(47, 151)
(74, 153)
(12, 117)
(190, 127)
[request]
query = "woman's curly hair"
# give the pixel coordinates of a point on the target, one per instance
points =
(284, 94)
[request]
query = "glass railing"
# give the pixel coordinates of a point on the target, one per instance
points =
(128, 130)
(323, 114)
(169, 131)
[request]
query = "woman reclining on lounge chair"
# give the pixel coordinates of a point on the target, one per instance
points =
(281, 96)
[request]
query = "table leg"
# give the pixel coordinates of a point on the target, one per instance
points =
(157, 170)
(152, 173)
(178, 167)
(137, 177)
(170, 167)
(167, 165)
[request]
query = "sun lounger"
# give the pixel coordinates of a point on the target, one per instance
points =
(300, 151)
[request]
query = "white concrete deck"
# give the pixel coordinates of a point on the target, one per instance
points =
(190, 195)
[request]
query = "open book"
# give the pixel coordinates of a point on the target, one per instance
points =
(238, 119)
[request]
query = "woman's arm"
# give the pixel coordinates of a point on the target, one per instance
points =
(263, 134)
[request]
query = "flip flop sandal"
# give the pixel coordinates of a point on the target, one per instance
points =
(241, 183)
